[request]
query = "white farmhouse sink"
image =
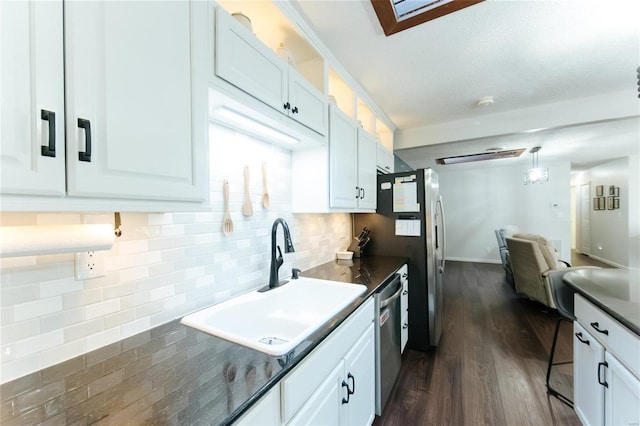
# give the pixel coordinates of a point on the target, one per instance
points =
(276, 321)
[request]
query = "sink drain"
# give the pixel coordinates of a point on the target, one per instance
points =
(272, 341)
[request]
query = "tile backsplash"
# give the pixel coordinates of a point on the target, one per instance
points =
(164, 266)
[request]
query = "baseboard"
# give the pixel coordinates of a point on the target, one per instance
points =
(464, 259)
(608, 262)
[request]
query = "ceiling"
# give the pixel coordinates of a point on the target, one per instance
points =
(525, 54)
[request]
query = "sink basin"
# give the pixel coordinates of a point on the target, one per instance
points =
(276, 321)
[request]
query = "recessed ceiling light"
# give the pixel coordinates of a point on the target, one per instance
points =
(485, 101)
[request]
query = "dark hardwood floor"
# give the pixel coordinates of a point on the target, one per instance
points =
(490, 365)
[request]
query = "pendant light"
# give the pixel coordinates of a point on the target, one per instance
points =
(536, 174)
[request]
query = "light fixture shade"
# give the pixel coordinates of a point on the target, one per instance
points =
(536, 175)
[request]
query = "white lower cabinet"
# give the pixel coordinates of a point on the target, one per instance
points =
(347, 395)
(622, 396)
(333, 385)
(606, 367)
(265, 412)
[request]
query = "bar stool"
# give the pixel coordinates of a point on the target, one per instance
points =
(563, 298)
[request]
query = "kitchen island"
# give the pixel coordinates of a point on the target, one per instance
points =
(615, 291)
(173, 374)
(606, 345)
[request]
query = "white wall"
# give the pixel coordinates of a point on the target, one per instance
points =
(164, 266)
(614, 233)
(480, 200)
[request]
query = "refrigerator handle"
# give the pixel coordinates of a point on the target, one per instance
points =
(441, 208)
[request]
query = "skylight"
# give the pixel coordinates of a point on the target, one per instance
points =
(399, 15)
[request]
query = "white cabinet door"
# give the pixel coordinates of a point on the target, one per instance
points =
(343, 166)
(136, 99)
(622, 396)
(404, 331)
(367, 176)
(322, 408)
(359, 375)
(31, 98)
(242, 60)
(588, 394)
(307, 105)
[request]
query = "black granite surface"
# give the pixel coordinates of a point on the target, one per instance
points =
(172, 374)
(614, 291)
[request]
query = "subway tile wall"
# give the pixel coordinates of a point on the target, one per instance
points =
(164, 266)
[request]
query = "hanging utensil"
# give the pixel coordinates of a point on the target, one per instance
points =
(247, 207)
(265, 192)
(227, 223)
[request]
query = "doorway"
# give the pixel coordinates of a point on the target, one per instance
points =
(583, 229)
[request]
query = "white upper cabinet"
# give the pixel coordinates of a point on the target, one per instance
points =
(343, 161)
(136, 121)
(135, 99)
(32, 98)
(367, 177)
(246, 62)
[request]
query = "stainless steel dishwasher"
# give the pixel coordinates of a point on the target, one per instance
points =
(387, 318)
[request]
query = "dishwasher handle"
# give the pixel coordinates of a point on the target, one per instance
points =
(386, 302)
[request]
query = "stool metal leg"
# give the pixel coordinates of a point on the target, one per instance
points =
(551, 390)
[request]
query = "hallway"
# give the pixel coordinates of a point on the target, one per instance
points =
(490, 365)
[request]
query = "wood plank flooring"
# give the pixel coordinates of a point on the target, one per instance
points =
(579, 259)
(490, 365)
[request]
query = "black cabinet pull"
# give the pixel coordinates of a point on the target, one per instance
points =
(353, 384)
(294, 110)
(583, 340)
(404, 293)
(405, 326)
(86, 125)
(287, 106)
(362, 196)
(602, 382)
(357, 192)
(597, 328)
(50, 149)
(345, 385)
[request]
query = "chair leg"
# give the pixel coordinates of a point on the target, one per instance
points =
(551, 390)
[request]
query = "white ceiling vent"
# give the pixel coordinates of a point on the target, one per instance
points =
(480, 156)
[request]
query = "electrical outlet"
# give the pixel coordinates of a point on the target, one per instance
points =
(89, 264)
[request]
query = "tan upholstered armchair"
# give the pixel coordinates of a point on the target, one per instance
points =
(533, 259)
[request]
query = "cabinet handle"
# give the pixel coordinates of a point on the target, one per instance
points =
(345, 385)
(294, 110)
(596, 327)
(50, 149)
(353, 383)
(357, 192)
(583, 340)
(86, 125)
(405, 326)
(404, 293)
(602, 382)
(362, 196)
(287, 106)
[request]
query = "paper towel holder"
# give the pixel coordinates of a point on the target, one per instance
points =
(117, 223)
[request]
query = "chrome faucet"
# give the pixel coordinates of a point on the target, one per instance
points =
(276, 262)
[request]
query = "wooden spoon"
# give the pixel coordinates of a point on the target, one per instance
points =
(227, 223)
(247, 208)
(265, 193)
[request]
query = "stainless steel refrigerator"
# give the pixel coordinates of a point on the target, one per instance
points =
(409, 222)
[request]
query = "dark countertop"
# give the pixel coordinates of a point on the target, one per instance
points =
(614, 291)
(172, 374)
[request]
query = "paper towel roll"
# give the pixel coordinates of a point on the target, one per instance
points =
(36, 240)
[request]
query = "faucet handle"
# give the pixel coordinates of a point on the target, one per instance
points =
(279, 260)
(294, 273)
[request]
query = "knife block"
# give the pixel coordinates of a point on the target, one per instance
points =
(354, 247)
